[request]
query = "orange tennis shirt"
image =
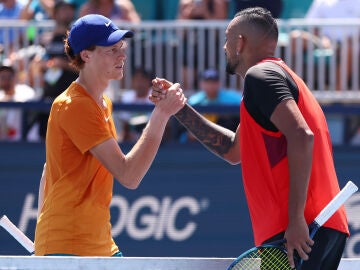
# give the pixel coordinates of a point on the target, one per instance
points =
(265, 169)
(75, 217)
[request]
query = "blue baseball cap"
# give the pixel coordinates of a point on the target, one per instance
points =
(95, 29)
(210, 75)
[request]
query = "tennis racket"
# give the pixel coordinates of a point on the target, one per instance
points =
(10, 227)
(273, 256)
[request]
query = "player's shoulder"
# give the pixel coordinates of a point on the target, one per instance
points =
(263, 67)
(264, 70)
(74, 98)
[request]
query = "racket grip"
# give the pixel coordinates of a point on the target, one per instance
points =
(313, 228)
(349, 189)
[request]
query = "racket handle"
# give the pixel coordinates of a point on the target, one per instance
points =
(313, 228)
(344, 194)
(349, 189)
(17, 234)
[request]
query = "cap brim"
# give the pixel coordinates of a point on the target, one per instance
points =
(116, 36)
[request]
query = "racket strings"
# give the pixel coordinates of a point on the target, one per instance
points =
(268, 258)
(273, 259)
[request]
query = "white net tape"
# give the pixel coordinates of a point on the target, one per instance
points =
(128, 263)
(108, 263)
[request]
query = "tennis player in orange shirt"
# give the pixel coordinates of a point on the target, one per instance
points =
(82, 153)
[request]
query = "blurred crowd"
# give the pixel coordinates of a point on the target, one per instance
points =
(48, 72)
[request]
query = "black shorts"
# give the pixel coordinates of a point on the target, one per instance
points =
(326, 252)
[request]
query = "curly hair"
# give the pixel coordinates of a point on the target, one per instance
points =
(75, 59)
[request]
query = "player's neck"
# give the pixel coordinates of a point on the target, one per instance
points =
(93, 87)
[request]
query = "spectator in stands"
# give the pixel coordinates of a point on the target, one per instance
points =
(211, 93)
(295, 9)
(54, 71)
(57, 75)
(9, 9)
(11, 120)
(332, 38)
(274, 6)
(63, 15)
(199, 10)
(113, 9)
(37, 10)
(202, 9)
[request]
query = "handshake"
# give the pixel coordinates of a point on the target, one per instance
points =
(160, 87)
(167, 95)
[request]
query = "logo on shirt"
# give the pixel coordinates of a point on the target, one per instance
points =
(108, 23)
(107, 118)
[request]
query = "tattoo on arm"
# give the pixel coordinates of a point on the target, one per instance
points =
(214, 137)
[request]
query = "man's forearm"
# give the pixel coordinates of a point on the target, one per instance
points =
(214, 137)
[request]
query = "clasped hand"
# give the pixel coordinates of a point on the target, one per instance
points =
(163, 89)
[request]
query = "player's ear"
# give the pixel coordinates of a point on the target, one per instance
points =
(240, 44)
(85, 55)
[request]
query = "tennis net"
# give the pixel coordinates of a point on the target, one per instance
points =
(128, 263)
(108, 263)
